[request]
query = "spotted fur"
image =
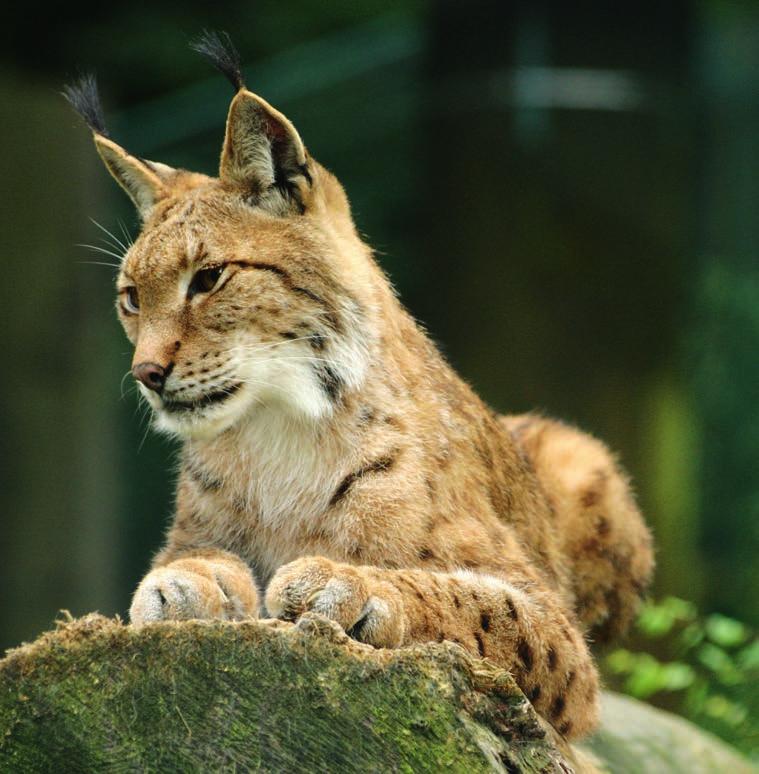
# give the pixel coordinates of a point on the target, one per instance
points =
(332, 460)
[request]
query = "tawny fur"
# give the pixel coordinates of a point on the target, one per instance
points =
(332, 460)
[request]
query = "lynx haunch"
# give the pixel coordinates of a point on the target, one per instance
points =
(332, 460)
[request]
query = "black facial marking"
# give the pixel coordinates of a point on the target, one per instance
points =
(308, 294)
(203, 401)
(330, 316)
(480, 643)
(262, 266)
(165, 212)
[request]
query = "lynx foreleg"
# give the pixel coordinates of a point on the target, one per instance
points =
(519, 627)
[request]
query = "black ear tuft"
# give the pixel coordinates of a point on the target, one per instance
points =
(84, 98)
(218, 48)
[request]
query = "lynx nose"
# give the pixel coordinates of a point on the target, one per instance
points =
(151, 375)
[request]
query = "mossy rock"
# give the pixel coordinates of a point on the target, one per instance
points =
(96, 695)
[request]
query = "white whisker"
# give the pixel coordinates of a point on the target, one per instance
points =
(265, 384)
(304, 359)
(274, 344)
(118, 242)
(98, 249)
(253, 348)
(127, 236)
(312, 358)
(147, 426)
(101, 263)
(121, 383)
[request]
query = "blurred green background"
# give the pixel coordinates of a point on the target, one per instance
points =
(564, 194)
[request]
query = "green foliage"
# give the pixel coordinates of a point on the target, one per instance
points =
(704, 668)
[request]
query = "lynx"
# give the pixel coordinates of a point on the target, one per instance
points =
(332, 460)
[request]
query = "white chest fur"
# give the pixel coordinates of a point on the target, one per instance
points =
(273, 480)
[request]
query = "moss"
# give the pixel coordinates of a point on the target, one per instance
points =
(95, 695)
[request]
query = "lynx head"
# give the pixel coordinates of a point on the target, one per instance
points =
(246, 292)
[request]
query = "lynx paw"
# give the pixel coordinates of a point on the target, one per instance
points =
(192, 588)
(369, 609)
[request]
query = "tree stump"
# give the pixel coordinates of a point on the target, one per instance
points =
(95, 695)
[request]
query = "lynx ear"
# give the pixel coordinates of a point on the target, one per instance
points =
(144, 181)
(140, 179)
(263, 154)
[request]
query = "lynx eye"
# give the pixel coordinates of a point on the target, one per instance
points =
(204, 280)
(130, 300)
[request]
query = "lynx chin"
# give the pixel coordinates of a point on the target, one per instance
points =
(332, 460)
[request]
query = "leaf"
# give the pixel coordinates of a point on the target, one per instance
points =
(621, 661)
(677, 676)
(720, 663)
(646, 677)
(691, 635)
(657, 619)
(721, 708)
(748, 657)
(725, 631)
